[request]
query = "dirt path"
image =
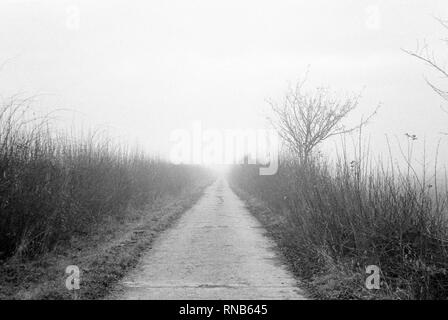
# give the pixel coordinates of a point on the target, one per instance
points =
(217, 250)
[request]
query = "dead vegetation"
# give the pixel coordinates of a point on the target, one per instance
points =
(57, 191)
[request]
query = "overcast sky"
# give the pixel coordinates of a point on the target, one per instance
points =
(145, 68)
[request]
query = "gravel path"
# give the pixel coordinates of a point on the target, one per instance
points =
(217, 250)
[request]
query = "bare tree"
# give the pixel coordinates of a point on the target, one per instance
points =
(424, 53)
(304, 120)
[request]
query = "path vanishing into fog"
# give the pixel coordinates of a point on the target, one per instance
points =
(217, 250)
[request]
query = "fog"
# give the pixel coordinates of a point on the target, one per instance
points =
(145, 68)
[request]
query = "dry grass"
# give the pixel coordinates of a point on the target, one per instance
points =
(103, 257)
(335, 219)
(56, 187)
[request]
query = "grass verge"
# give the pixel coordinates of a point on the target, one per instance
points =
(103, 257)
(334, 281)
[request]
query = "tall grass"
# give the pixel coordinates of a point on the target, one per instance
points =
(345, 215)
(53, 187)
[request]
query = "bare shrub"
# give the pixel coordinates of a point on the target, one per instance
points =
(54, 187)
(306, 119)
(347, 215)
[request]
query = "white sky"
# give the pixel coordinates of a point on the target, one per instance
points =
(146, 68)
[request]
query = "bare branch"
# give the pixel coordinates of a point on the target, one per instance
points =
(304, 120)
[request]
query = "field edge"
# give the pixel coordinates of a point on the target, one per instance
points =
(103, 259)
(332, 284)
